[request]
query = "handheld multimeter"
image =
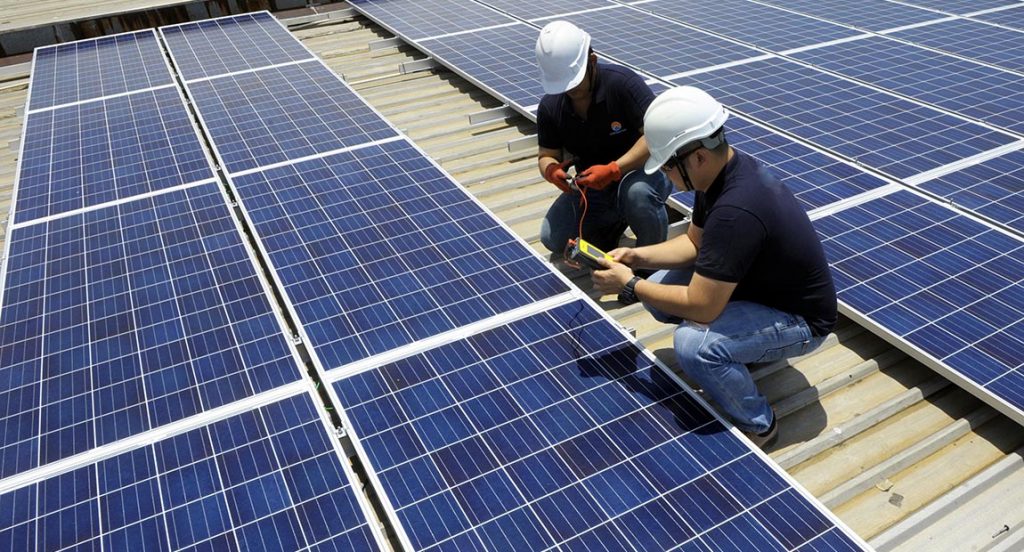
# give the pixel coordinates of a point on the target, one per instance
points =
(583, 253)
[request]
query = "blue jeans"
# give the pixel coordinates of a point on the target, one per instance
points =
(715, 355)
(638, 201)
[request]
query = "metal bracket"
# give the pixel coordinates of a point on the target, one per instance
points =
(418, 65)
(522, 144)
(489, 115)
(386, 43)
(341, 14)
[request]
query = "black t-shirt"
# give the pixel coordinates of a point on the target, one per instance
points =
(756, 234)
(614, 122)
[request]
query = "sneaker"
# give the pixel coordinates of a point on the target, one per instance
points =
(766, 440)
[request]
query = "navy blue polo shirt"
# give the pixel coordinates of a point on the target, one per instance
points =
(615, 119)
(757, 235)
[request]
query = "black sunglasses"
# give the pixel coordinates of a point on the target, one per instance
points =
(678, 157)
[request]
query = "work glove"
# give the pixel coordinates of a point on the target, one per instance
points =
(598, 177)
(555, 174)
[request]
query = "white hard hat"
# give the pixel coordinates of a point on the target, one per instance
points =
(562, 52)
(679, 117)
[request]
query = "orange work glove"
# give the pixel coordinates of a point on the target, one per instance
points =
(599, 177)
(555, 174)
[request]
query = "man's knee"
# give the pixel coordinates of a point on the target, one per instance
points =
(640, 196)
(696, 346)
(553, 237)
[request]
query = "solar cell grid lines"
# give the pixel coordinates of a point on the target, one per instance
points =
(416, 20)
(654, 44)
(284, 113)
(126, 318)
(750, 22)
(993, 189)
(872, 15)
(501, 59)
(814, 178)
(555, 431)
(269, 477)
(108, 149)
(1013, 18)
(965, 87)
(228, 44)
(961, 7)
(548, 8)
(877, 129)
(942, 282)
(972, 39)
(87, 69)
(377, 248)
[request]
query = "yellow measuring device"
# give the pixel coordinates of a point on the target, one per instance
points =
(583, 253)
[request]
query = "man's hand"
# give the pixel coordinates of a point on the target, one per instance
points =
(625, 255)
(600, 177)
(613, 278)
(555, 174)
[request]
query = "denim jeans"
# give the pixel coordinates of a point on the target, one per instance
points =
(715, 355)
(638, 202)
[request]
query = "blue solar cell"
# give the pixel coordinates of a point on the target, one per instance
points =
(267, 478)
(613, 445)
(227, 44)
(1013, 18)
(877, 129)
(548, 8)
(104, 150)
(968, 88)
(971, 39)
(377, 248)
(873, 15)
(284, 113)
(814, 178)
(947, 288)
(994, 189)
(88, 69)
(127, 318)
(417, 20)
(655, 45)
(750, 22)
(500, 59)
(961, 7)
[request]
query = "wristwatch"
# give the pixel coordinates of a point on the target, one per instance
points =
(628, 294)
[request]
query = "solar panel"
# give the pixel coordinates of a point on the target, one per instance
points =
(535, 10)
(416, 20)
(228, 44)
(950, 287)
(376, 248)
(126, 318)
(103, 150)
(994, 189)
(555, 430)
(966, 87)
(750, 22)
(814, 178)
(972, 39)
(961, 7)
(1013, 18)
(87, 69)
(876, 129)
(655, 45)
(269, 478)
(283, 113)
(873, 15)
(500, 60)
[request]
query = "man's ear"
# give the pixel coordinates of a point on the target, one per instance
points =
(592, 58)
